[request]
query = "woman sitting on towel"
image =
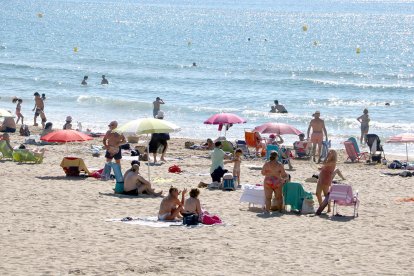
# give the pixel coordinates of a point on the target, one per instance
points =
(326, 175)
(275, 177)
(192, 204)
(135, 184)
(171, 207)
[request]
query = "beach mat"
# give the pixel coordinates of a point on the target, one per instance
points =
(155, 223)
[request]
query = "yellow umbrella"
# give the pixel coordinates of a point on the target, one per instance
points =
(147, 126)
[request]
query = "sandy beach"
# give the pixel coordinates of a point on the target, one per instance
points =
(54, 225)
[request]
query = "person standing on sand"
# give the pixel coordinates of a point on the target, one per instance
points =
(39, 108)
(18, 109)
(104, 80)
(318, 130)
(275, 177)
(157, 106)
(112, 143)
(364, 120)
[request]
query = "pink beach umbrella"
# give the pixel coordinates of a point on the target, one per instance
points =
(403, 138)
(278, 128)
(224, 119)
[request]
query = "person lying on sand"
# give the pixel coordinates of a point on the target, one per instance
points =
(171, 207)
(192, 204)
(135, 184)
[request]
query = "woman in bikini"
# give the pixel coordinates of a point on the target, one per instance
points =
(326, 175)
(275, 177)
(364, 120)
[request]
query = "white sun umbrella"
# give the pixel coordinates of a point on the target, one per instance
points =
(6, 113)
(147, 126)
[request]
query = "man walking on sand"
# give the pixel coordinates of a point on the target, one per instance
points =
(112, 143)
(318, 130)
(39, 109)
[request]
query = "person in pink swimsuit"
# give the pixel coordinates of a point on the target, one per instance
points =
(275, 177)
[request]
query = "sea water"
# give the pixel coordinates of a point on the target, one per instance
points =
(337, 56)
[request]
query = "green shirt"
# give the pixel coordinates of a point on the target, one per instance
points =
(217, 159)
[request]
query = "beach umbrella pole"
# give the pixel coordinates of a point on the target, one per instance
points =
(148, 153)
(406, 150)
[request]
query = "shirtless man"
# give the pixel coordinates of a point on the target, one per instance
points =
(279, 108)
(157, 106)
(104, 80)
(135, 184)
(39, 108)
(171, 207)
(112, 142)
(318, 130)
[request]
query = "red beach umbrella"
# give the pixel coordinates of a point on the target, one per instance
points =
(66, 136)
(278, 128)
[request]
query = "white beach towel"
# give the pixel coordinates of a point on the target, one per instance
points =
(149, 221)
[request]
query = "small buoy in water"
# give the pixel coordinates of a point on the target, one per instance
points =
(189, 43)
(40, 15)
(358, 50)
(305, 28)
(75, 49)
(315, 43)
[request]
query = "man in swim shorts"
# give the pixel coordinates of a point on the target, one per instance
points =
(171, 207)
(112, 143)
(318, 130)
(157, 106)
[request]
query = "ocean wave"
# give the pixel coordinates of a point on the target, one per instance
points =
(358, 85)
(89, 99)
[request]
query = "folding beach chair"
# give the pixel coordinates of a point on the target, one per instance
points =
(294, 194)
(301, 149)
(26, 156)
(352, 153)
(341, 194)
(5, 151)
(364, 154)
(376, 149)
(241, 144)
(281, 152)
(73, 166)
(227, 146)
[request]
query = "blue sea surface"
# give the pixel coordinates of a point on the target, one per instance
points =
(146, 49)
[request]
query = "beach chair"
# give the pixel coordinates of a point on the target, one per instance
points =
(363, 155)
(241, 144)
(227, 146)
(352, 154)
(301, 149)
(270, 148)
(26, 156)
(326, 145)
(376, 149)
(341, 194)
(294, 194)
(5, 151)
(73, 166)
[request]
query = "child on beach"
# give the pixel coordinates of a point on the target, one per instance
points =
(18, 109)
(237, 162)
(326, 175)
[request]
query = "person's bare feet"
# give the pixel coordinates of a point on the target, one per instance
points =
(163, 160)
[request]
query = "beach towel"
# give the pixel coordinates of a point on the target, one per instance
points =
(148, 221)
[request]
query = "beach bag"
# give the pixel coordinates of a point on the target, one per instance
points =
(190, 219)
(228, 182)
(308, 206)
(209, 219)
(395, 165)
(97, 174)
(24, 130)
(72, 171)
(174, 169)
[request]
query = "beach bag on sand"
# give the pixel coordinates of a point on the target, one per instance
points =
(395, 165)
(190, 219)
(174, 169)
(308, 206)
(119, 187)
(24, 130)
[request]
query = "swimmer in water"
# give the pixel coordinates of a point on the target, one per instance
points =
(104, 80)
(387, 104)
(194, 64)
(85, 78)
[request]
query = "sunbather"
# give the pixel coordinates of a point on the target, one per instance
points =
(8, 125)
(326, 175)
(275, 178)
(135, 184)
(192, 204)
(171, 207)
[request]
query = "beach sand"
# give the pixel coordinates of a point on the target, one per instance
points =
(54, 225)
